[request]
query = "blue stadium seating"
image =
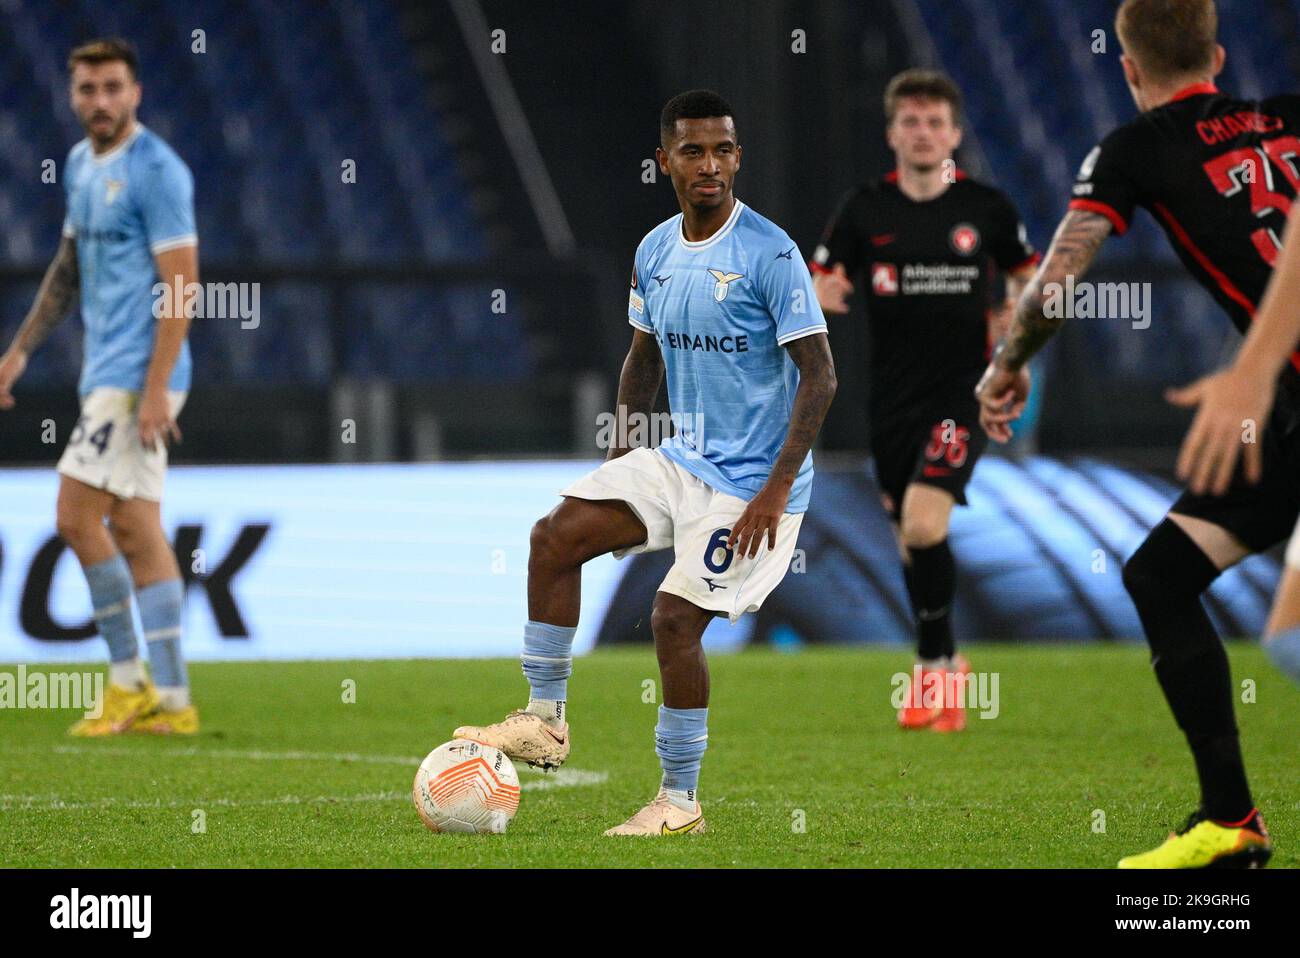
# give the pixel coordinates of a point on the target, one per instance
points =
(266, 115)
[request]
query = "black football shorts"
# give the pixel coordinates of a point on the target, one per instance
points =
(1264, 514)
(938, 446)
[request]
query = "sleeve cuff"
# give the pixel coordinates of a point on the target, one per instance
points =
(69, 230)
(176, 242)
(800, 334)
(641, 326)
(1104, 209)
(1024, 263)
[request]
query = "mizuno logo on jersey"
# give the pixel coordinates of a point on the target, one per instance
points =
(711, 584)
(786, 254)
(662, 279)
(724, 282)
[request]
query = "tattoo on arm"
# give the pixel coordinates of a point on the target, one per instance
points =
(638, 384)
(1073, 249)
(54, 299)
(812, 354)
(1000, 316)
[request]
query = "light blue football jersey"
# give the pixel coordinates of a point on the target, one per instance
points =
(722, 311)
(124, 206)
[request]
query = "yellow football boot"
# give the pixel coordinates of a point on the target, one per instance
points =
(159, 722)
(121, 707)
(1204, 843)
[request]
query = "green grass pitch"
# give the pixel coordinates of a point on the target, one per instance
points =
(805, 767)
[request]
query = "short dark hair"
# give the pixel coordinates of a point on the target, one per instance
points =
(1169, 38)
(925, 85)
(691, 105)
(106, 50)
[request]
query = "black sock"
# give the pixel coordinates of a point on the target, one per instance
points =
(1166, 577)
(931, 583)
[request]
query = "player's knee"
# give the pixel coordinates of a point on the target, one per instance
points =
(541, 541)
(1168, 565)
(1139, 577)
(549, 545)
(128, 539)
(673, 627)
(74, 525)
(921, 529)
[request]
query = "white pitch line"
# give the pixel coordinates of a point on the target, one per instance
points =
(55, 803)
(252, 755)
(539, 781)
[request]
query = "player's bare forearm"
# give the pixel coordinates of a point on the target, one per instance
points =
(1073, 249)
(53, 300)
(812, 354)
(638, 384)
(177, 268)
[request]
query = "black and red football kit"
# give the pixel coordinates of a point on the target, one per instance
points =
(1219, 175)
(926, 269)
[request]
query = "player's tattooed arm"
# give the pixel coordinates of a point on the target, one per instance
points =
(1000, 317)
(54, 299)
(812, 354)
(638, 385)
(1073, 249)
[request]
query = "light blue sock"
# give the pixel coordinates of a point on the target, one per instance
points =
(548, 659)
(160, 617)
(1284, 650)
(110, 596)
(681, 737)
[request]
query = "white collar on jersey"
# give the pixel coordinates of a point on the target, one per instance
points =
(102, 158)
(723, 230)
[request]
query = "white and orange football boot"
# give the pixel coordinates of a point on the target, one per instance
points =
(524, 736)
(662, 817)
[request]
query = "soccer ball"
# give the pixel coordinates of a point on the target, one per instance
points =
(464, 786)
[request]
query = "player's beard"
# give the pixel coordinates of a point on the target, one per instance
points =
(118, 124)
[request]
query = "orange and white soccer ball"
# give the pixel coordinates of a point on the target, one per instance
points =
(464, 786)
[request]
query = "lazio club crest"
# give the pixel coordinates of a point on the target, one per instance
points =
(111, 189)
(724, 282)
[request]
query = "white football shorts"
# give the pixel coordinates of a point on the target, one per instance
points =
(682, 511)
(105, 451)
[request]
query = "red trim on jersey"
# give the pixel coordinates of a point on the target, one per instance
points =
(818, 268)
(1225, 284)
(1196, 89)
(1031, 261)
(1104, 209)
(892, 175)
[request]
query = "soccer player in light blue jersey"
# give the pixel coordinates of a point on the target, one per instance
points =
(722, 302)
(129, 224)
